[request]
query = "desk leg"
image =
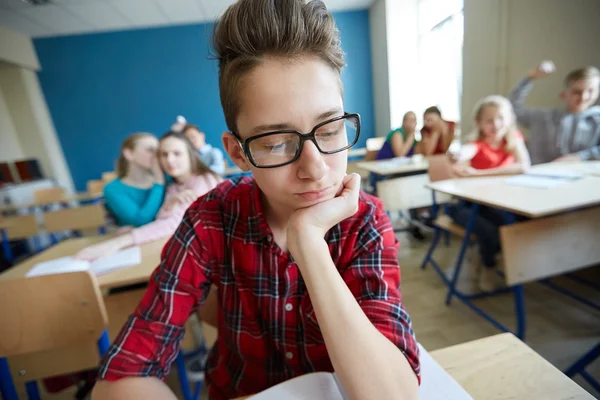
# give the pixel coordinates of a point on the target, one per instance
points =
(6, 246)
(579, 367)
(182, 374)
(463, 249)
(510, 219)
(33, 393)
(436, 232)
(7, 387)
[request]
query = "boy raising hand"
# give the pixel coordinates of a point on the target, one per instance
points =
(571, 133)
(304, 263)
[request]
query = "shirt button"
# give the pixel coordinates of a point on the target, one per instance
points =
(289, 307)
(269, 238)
(289, 355)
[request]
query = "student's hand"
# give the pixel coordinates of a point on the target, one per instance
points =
(313, 222)
(544, 69)
(568, 158)
(106, 248)
(157, 172)
(463, 171)
(185, 197)
(123, 230)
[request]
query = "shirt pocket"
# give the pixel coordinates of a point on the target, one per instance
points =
(310, 325)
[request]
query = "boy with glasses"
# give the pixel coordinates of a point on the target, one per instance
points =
(305, 265)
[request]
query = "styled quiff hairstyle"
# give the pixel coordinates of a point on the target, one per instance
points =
(251, 30)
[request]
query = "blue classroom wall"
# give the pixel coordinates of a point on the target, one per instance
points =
(102, 87)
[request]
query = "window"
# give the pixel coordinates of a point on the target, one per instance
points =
(441, 27)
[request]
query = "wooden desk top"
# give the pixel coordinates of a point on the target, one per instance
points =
(530, 202)
(503, 367)
(74, 197)
(395, 166)
(122, 277)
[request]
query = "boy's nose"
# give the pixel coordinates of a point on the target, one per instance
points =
(311, 164)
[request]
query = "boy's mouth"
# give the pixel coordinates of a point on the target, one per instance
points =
(315, 194)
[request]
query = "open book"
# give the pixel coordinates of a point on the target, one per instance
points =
(121, 259)
(436, 384)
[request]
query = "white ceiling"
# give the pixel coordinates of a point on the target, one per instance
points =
(67, 17)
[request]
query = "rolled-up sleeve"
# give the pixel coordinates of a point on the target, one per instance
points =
(149, 342)
(374, 279)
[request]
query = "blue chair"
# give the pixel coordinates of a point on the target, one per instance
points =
(48, 314)
(18, 227)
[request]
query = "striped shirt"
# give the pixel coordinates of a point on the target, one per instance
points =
(554, 132)
(268, 331)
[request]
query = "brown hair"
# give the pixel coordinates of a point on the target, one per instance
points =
(505, 107)
(190, 126)
(433, 110)
(197, 167)
(581, 73)
(122, 165)
(251, 30)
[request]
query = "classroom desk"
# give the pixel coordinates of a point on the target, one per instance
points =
(67, 199)
(502, 367)
(127, 276)
(563, 218)
(393, 167)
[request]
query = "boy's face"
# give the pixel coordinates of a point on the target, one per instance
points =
(581, 94)
(297, 95)
(197, 138)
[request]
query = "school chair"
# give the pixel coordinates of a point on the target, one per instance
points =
(19, 227)
(109, 176)
(440, 168)
(50, 195)
(76, 219)
(49, 314)
(96, 186)
(373, 146)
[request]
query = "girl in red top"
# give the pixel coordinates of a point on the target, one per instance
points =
(436, 134)
(498, 150)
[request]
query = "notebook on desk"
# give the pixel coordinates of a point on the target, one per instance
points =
(121, 259)
(436, 384)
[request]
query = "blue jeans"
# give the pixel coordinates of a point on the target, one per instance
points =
(486, 227)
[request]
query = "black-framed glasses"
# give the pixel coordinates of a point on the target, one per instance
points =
(278, 148)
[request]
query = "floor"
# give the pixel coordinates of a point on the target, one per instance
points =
(558, 328)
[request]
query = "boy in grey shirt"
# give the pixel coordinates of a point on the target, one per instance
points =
(566, 134)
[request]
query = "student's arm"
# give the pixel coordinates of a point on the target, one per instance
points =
(367, 333)
(399, 146)
(218, 163)
(593, 153)
(521, 165)
(528, 116)
(127, 212)
(147, 345)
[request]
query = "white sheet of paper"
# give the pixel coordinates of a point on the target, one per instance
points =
(58, 266)
(436, 383)
(557, 173)
(315, 386)
(121, 259)
(124, 258)
(537, 182)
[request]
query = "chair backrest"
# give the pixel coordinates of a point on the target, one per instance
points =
(109, 176)
(440, 168)
(96, 186)
(49, 195)
(49, 312)
(373, 147)
(21, 227)
(76, 218)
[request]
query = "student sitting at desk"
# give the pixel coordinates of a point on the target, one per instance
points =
(570, 133)
(498, 150)
(191, 179)
(400, 142)
(305, 265)
(436, 134)
(136, 196)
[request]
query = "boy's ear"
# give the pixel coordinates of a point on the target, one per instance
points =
(232, 147)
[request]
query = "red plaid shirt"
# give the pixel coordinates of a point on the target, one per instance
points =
(268, 332)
